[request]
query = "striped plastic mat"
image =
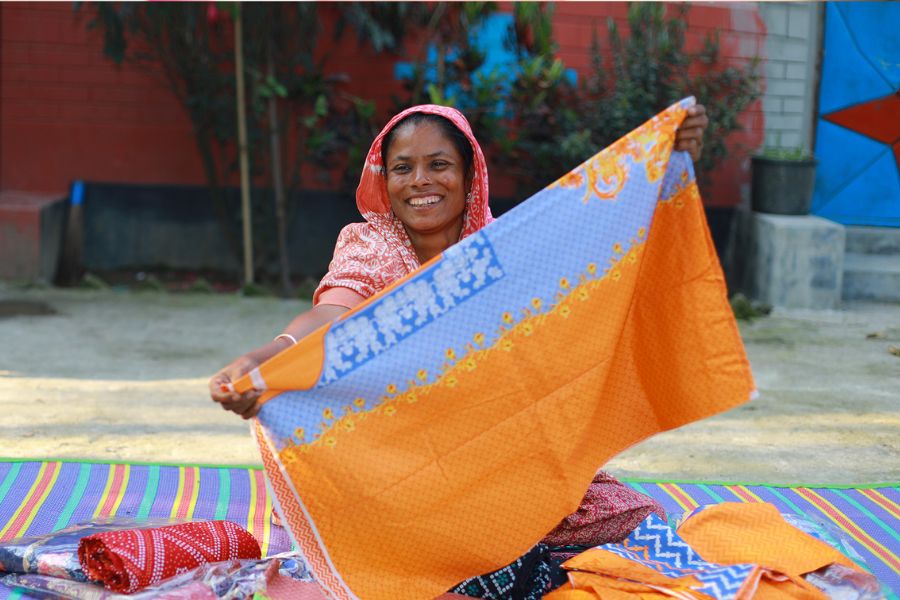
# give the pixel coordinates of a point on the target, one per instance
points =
(38, 497)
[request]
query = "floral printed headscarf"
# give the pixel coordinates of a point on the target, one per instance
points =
(370, 256)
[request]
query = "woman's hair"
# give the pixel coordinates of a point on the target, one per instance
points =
(451, 131)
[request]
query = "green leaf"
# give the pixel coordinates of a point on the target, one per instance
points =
(321, 106)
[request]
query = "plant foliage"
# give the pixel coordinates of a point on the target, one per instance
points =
(192, 46)
(547, 123)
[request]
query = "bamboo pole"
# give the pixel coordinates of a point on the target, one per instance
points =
(242, 145)
(278, 183)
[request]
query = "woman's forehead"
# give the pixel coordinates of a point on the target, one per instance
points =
(420, 139)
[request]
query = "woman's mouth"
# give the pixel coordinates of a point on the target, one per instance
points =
(424, 201)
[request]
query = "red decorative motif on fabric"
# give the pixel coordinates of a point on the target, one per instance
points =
(609, 512)
(130, 560)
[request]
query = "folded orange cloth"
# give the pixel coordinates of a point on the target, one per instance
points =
(726, 551)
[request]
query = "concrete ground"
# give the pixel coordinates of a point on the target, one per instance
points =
(122, 376)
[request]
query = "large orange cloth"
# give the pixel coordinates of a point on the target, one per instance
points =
(444, 426)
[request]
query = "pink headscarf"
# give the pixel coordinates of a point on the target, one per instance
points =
(370, 256)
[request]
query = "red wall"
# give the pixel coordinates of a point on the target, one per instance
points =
(67, 112)
(742, 36)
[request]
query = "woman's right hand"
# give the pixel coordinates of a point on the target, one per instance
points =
(242, 404)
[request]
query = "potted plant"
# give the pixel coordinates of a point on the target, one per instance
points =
(782, 181)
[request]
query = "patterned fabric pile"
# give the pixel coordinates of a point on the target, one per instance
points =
(727, 551)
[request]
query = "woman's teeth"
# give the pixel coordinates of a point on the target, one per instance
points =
(424, 201)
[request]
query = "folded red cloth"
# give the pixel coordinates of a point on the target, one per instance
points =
(129, 560)
(609, 512)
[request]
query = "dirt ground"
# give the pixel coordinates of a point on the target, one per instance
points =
(115, 375)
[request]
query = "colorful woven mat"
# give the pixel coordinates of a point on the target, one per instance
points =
(867, 517)
(40, 497)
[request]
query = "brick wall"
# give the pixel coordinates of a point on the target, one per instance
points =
(67, 112)
(792, 45)
(742, 35)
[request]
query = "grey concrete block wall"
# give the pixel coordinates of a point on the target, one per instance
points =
(793, 43)
(796, 261)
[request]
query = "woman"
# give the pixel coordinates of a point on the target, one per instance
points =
(424, 187)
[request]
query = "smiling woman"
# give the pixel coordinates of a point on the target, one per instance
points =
(424, 187)
(428, 169)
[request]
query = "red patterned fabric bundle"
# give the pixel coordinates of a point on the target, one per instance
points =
(608, 513)
(129, 560)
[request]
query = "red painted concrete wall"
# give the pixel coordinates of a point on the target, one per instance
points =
(67, 112)
(741, 37)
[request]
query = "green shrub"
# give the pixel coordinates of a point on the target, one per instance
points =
(255, 290)
(201, 285)
(795, 154)
(149, 283)
(93, 282)
(746, 310)
(307, 288)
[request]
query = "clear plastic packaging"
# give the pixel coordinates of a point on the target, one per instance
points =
(56, 554)
(230, 580)
(843, 583)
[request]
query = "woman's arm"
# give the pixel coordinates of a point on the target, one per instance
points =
(245, 404)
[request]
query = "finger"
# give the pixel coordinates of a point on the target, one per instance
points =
(697, 109)
(692, 134)
(694, 131)
(240, 407)
(690, 146)
(238, 403)
(219, 396)
(252, 411)
(698, 123)
(696, 151)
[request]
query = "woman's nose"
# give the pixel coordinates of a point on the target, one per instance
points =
(420, 176)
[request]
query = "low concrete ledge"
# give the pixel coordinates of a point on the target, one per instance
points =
(31, 231)
(796, 261)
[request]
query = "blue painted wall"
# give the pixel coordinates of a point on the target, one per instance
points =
(858, 177)
(500, 61)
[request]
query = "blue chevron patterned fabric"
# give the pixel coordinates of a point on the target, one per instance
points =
(656, 545)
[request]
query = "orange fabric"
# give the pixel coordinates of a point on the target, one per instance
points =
(646, 583)
(406, 479)
(726, 534)
(756, 533)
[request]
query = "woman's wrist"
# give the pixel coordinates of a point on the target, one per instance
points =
(264, 353)
(285, 337)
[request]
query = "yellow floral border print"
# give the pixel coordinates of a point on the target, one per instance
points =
(457, 366)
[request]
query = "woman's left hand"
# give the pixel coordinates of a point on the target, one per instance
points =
(689, 136)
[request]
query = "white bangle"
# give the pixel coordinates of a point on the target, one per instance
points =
(286, 336)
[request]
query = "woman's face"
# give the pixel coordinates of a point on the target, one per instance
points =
(426, 181)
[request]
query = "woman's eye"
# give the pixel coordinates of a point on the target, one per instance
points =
(439, 164)
(400, 169)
